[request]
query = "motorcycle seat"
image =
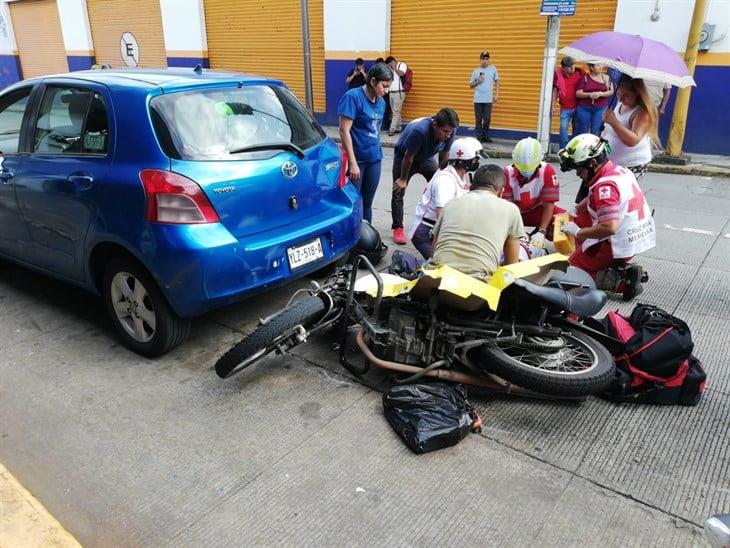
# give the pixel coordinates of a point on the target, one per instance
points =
(572, 277)
(581, 301)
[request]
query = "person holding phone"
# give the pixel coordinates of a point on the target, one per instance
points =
(485, 83)
(356, 77)
(361, 112)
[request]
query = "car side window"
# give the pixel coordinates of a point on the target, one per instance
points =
(60, 121)
(95, 138)
(12, 109)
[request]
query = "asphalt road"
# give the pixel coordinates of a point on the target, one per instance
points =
(126, 451)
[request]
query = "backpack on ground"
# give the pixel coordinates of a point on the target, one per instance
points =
(654, 363)
(408, 80)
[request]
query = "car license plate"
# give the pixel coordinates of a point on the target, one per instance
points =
(304, 254)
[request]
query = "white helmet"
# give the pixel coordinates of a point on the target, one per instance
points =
(466, 148)
(582, 148)
(527, 156)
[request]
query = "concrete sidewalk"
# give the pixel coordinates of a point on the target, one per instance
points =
(25, 522)
(705, 165)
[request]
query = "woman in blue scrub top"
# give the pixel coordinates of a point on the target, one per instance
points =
(361, 111)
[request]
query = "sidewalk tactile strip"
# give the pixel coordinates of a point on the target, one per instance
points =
(711, 336)
(606, 522)
(709, 294)
(557, 432)
(675, 458)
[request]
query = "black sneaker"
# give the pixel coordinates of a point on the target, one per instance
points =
(632, 282)
(487, 140)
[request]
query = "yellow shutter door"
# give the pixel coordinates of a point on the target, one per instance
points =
(441, 40)
(37, 30)
(266, 38)
(109, 19)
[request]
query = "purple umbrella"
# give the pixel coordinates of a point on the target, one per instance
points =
(632, 54)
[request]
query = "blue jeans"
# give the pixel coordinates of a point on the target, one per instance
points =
(423, 240)
(567, 115)
(367, 185)
(590, 119)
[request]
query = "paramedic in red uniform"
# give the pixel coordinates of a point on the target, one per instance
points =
(532, 185)
(621, 226)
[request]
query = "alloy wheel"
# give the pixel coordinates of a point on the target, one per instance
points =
(133, 307)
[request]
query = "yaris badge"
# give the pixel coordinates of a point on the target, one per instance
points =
(289, 169)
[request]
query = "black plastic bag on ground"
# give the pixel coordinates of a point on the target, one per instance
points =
(430, 416)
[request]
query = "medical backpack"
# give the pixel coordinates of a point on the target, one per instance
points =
(654, 362)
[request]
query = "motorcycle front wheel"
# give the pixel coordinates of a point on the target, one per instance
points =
(581, 366)
(266, 337)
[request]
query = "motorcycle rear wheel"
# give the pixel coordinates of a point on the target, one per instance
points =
(265, 338)
(581, 368)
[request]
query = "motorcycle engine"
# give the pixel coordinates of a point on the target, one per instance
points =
(405, 340)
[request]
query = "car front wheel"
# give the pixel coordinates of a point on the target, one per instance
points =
(139, 312)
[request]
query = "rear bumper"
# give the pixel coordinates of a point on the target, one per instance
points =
(203, 267)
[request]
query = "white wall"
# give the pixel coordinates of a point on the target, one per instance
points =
(75, 25)
(672, 27)
(7, 38)
(357, 25)
(183, 22)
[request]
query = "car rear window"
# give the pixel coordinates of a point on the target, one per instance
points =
(213, 124)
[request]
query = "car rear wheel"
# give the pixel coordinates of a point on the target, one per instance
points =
(139, 312)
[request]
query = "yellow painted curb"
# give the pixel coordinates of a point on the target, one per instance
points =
(24, 522)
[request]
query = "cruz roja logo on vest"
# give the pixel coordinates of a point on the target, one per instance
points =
(129, 49)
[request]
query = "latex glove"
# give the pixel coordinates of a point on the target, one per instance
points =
(538, 240)
(570, 228)
(572, 211)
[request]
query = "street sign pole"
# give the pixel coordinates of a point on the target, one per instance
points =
(546, 93)
(307, 57)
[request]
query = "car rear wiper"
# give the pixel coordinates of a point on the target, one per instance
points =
(270, 146)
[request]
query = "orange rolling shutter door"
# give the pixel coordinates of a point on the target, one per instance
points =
(37, 30)
(110, 18)
(441, 40)
(266, 38)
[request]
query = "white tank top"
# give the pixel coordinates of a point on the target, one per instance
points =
(627, 156)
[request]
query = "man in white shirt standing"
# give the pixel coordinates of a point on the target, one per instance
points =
(397, 92)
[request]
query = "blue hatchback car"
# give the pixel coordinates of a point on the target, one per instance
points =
(170, 192)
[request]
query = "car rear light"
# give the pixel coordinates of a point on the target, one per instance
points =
(342, 181)
(174, 199)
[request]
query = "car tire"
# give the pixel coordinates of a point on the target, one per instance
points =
(139, 312)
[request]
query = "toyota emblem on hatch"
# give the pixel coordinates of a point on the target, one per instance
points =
(289, 169)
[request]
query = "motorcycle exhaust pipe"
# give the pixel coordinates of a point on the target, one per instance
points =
(441, 374)
(452, 376)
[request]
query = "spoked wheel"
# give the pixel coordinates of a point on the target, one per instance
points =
(268, 337)
(573, 365)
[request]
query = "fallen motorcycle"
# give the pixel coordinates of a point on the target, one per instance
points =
(520, 332)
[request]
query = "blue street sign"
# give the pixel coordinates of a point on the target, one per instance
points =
(557, 7)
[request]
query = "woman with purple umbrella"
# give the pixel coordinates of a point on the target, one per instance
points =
(592, 92)
(631, 126)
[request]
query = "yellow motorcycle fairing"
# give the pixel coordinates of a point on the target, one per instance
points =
(461, 290)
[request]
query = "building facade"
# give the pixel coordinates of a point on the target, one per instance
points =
(440, 40)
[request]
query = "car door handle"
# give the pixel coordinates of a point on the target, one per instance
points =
(81, 182)
(6, 177)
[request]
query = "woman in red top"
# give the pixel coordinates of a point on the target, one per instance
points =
(592, 92)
